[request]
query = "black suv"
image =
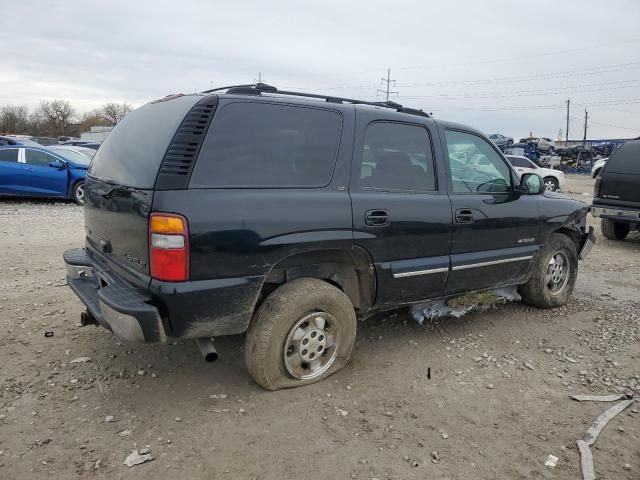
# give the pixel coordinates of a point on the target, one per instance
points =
(616, 196)
(289, 216)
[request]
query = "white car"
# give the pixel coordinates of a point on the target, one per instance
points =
(553, 179)
(544, 144)
(597, 166)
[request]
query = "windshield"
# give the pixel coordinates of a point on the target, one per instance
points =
(73, 156)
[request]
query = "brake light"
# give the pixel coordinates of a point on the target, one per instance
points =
(169, 247)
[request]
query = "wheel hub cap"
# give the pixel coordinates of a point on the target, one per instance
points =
(311, 346)
(557, 272)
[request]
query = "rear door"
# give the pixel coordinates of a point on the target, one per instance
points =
(40, 178)
(401, 214)
(495, 230)
(10, 171)
(620, 177)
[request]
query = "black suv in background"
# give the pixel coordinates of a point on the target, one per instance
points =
(616, 196)
(288, 216)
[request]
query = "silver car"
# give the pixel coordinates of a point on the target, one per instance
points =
(500, 140)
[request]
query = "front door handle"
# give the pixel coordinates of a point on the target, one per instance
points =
(376, 218)
(464, 215)
(28, 168)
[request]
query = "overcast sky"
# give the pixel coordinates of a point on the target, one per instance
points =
(501, 66)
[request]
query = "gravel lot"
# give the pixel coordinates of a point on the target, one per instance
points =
(495, 406)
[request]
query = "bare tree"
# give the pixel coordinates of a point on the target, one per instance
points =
(14, 119)
(93, 118)
(58, 114)
(114, 112)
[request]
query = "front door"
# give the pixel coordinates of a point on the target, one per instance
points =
(495, 229)
(40, 178)
(401, 216)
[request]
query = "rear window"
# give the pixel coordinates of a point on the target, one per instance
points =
(625, 159)
(268, 145)
(132, 152)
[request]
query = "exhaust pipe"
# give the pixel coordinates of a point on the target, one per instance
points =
(207, 350)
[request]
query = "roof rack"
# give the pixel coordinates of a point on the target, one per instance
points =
(260, 88)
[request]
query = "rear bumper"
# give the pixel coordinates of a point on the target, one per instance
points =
(619, 214)
(116, 304)
(194, 309)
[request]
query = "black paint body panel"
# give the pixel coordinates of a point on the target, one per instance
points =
(245, 239)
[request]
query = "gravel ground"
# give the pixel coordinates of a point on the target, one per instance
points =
(484, 396)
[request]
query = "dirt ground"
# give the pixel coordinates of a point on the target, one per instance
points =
(495, 405)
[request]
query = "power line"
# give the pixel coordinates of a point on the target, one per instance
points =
(596, 70)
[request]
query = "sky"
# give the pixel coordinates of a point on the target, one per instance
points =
(501, 66)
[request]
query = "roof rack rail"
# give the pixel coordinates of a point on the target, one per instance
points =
(260, 88)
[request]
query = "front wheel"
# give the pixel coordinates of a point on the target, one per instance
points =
(302, 333)
(555, 269)
(614, 230)
(509, 143)
(551, 184)
(78, 193)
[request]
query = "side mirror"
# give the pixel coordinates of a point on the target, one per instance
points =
(58, 164)
(531, 184)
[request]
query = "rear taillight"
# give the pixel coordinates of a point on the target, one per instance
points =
(596, 187)
(169, 247)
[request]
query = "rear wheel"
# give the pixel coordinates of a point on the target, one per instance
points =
(509, 143)
(614, 230)
(302, 333)
(550, 184)
(78, 193)
(551, 151)
(555, 269)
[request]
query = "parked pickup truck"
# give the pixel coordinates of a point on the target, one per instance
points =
(616, 196)
(289, 216)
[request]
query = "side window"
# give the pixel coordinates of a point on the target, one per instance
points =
(397, 157)
(38, 158)
(268, 145)
(9, 155)
(475, 165)
(519, 162)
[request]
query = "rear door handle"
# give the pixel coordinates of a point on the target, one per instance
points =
(464, 215)
(377, 218)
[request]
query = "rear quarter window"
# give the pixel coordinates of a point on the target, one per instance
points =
(132, 153)
(268, 145)
(625, 159)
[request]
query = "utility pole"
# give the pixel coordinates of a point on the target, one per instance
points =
(586, 119)
(387, 81)
(566, 133)
(259, 79)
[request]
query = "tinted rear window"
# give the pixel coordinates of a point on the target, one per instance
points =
(625, 160)
(268, 145)
(132, 152)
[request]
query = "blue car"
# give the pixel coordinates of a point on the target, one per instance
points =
(27, 171)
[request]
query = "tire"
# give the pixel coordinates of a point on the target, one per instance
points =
(596, 173)
(550, 184)
(509, 143)
(294, 309)
(541, 290)
(77, 193)
(614, 230)
(551, 151)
